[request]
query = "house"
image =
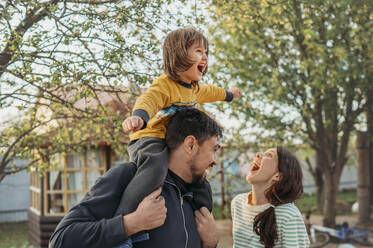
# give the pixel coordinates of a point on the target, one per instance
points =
(14, 195)
(69, 176)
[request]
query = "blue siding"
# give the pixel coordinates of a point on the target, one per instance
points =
(15, 196)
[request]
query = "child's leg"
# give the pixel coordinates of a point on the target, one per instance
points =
(151, 157)
(202, 196)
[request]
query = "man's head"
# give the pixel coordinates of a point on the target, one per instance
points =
(193, 136)
(182, 53)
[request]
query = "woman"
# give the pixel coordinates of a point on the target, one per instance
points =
(267, 216)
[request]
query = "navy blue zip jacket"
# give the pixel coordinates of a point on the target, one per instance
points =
(91, 223)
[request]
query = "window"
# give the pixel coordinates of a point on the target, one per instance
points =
(35, 183)
(71, 176)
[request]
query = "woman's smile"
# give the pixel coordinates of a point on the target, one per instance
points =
(254, 167)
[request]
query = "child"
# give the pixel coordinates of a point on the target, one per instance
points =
(185, 59)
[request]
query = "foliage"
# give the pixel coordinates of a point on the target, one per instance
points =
(304, 68)
(59, 61)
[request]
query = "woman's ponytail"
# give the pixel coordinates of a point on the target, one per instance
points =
(266, 228)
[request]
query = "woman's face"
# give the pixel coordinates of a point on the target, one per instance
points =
(264, 168)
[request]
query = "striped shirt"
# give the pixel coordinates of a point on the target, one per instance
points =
(290, 225)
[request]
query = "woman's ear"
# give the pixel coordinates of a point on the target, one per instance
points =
(277, 177)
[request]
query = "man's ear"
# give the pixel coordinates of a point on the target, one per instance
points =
(277, 177)
(190, 144)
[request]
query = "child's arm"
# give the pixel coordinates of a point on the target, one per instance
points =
(156, 97)
(212, 93)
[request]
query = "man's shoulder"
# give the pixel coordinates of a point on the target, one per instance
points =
(114, 180)
(120, 172)
(123, 168)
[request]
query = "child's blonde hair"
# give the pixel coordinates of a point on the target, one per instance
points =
(175, 51)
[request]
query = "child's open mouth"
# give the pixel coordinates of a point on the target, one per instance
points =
(200, 68)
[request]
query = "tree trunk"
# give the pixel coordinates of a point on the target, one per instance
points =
(369, 116)
(363, 177)
(319, 181)
(2, 175)
(330, 191)
(320, 196)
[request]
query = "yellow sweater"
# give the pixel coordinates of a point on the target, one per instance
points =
(164, 97)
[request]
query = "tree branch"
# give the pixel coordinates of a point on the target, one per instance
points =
(93, 2)
(309, 165)
(30, 19)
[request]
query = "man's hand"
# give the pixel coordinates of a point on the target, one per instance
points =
(235, 91)
(206, 228)
(151, 213)
(132, 123)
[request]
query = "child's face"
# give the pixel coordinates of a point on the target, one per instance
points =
(198, 53)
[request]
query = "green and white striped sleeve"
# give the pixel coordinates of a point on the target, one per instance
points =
(294, 232)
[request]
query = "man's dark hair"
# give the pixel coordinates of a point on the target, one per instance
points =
(191, 122)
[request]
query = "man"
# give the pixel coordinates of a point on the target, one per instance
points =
(166, 214)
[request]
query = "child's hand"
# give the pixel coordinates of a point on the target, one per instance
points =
(235, 91)
(132, 123)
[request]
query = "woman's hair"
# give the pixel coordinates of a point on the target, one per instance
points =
(288, 189)
(175, 51)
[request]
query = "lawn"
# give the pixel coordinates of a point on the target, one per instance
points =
(14, 235)
(347, 198)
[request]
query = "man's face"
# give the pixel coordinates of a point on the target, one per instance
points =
(204, 158)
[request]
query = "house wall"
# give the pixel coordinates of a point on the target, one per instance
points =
(15, 196)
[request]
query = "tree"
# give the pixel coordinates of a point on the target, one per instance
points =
(369, 121)
(303, 67)
(58, 54)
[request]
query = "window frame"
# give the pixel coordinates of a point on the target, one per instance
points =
(65, 174)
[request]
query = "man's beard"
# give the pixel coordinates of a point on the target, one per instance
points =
(197, 179)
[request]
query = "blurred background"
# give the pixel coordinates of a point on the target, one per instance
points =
(71, 70)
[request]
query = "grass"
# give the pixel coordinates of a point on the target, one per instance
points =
(14, 235)
(217, 211)
(347, 198)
